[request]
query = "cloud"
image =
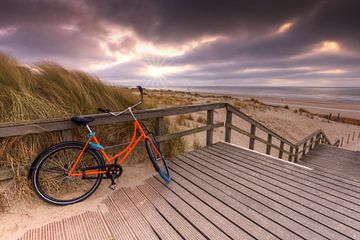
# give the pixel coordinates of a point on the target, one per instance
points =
(190, 42)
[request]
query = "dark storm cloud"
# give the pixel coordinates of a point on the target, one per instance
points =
(77, 33)
(174, 21)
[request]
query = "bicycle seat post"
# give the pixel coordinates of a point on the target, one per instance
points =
(88, 128)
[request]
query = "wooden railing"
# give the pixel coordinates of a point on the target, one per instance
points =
(65, 125)
(296, 150)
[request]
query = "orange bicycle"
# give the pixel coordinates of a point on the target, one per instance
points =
(71, 171)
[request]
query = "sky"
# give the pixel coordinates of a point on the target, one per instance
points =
(168, 43)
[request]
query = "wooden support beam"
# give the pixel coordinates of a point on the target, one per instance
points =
(311, 143)
(281, 150)
(228, 123)
(268, 146)
(210, 132)
(160, 130)
(291, 152)
(296, 154)
(66, 135)
(304, 149)
(252, 139)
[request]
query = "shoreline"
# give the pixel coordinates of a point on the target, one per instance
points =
(345, 108)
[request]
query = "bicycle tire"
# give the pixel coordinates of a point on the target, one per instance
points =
(158, 160)
(45, 158)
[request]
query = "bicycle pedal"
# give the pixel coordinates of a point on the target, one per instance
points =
(112, 187)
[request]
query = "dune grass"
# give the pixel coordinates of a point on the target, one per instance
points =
(47, 90)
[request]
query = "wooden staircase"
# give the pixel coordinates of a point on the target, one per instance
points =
(333, 160)
(224, 191)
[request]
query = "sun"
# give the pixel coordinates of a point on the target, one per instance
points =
(154, 71)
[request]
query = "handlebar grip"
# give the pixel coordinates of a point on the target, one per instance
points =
(104, 110)
(140, 89)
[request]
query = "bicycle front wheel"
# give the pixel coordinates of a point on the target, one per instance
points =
(50, 177)
(158, 159)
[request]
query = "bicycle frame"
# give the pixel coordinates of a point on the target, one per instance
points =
(124, 153)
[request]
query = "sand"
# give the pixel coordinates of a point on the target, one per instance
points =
(28, 215)
(287, 123)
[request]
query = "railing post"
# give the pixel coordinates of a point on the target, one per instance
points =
(304, 149)
(281, 150)
(348, 139)
(268, 146)
(66, 135)
(311, 143)
(296, 154)
(228, 122)
(159, 130)
(342, 141)
(291, 152)
(209, 122)
(252, 135)
(317, 139)
(353, 138)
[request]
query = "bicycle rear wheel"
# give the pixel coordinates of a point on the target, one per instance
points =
(50, 178)
(158, 159)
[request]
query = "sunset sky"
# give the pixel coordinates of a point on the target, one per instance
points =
(165, 43)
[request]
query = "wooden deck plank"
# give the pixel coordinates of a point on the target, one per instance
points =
(340, 190)
(333, 218)
(226, 192)
(185, 229)
(163, 229)
(95, 226)
(202, 224)
(209, 213)
(332, 226)
(315, 192)
(140, 227)
(74, 228)
(240, 220)
(266, 223)
(276, 213)
(337, 183)
(116, 223)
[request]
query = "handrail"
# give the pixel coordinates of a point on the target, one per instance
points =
(65, 125)
(58, 124)
(257, 124)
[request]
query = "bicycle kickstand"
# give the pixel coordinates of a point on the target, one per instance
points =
(112, 184)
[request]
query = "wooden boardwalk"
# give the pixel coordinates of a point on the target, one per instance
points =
(225, 192)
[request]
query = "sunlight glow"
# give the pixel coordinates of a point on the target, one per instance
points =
(285, 27)
(329, 46)
(158, 71)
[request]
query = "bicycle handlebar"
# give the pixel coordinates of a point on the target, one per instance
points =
(104, 110)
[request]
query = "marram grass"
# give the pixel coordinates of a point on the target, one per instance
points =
(47, 90)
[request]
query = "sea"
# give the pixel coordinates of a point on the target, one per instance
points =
(343, 94)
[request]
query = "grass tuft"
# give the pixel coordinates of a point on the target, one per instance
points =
(47, 90)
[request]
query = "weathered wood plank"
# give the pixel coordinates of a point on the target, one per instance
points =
(188, 132)
(268, 145)
(228, 123)
(209, 122)
(252, 139)
(275, 201)
(281, 150)
(160, 130)
(257, 124)
(40, 126)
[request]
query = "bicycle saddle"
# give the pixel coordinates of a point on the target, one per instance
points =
(82, 120)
